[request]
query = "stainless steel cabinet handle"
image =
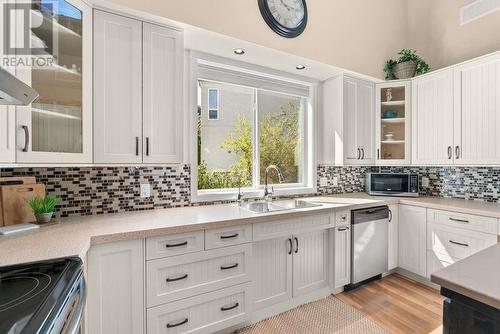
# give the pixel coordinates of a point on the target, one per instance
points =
(184, 243)
(359, 153)
(179, 323)
(390, 216)
(26, 138)
(229, 236)
(450, 153)
(147, 146)
(362, 153)
(232, 266)
(458, 243)
(290, 246)
(459, 220)
(378, 154)
(228, 308)
(457, 152)
(176, 278)
(137, 146)
(296, 245)
(343, 229)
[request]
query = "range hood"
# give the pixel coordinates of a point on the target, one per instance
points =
(13, 91)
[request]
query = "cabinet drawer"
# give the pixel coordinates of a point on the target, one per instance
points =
(464, 221)
(342, 218)
(207, 313)
(455, 242)
(279, 228)
(228, 236)
(174, 244)
(187, 275)
(437, 261)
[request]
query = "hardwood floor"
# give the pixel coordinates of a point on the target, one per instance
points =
(399, 304)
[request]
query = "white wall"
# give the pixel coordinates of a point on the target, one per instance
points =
(435, 31)
(358, 35)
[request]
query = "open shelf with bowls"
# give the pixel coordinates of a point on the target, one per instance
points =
(393, 122)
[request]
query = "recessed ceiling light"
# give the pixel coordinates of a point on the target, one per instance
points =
(239, 52)
(300, 67)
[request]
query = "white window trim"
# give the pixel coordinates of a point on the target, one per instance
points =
(212, 109)
(307, 187)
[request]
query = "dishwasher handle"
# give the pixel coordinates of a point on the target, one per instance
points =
(370, 214)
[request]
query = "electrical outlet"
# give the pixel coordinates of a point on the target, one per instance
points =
(335, 181)
(145, 190)
(425, 182)
(323, 181)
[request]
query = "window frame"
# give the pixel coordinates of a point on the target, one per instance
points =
(309, 165)
(213, 109)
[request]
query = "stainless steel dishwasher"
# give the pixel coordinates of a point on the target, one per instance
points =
(369, 247)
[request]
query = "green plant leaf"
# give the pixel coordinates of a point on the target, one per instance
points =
(43, 204)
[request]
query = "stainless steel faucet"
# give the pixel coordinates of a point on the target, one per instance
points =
(268, 193)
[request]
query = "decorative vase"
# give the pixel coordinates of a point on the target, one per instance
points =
(405, 70)
(43, 218)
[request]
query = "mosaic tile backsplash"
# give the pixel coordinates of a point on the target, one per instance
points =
(100, 190)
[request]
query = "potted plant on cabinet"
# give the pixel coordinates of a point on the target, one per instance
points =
(407, 66)
(43, 207)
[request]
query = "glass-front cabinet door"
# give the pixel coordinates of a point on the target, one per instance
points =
(393, 123)
(56, 62)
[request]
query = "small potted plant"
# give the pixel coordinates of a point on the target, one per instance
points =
(43, 207)
(407, 66)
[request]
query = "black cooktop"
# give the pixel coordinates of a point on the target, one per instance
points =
(29, 293)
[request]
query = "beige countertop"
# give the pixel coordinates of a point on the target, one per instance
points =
(74, 236)
(477, 276)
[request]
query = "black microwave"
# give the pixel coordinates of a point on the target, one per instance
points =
(392, 184)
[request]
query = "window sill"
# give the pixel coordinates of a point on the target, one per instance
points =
(232, 194)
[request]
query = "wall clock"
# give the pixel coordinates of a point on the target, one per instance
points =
(288, 18)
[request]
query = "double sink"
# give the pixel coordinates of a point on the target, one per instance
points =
(267, 207)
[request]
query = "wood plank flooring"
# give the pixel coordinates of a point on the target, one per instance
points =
(399, 304)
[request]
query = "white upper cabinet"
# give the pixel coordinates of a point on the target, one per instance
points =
(117, 89)
(7, 116)
(359, 101)
(393, 130)
(57, 126)
(7, 138)
(330, 136)
(477, 111)
(162, 99)
(432, 123)
(137, 91)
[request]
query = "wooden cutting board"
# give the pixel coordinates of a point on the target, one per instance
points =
(15, 209)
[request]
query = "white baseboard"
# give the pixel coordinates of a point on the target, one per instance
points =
(418, 278)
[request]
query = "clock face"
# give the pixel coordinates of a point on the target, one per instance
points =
(288, 18)
(288, 13)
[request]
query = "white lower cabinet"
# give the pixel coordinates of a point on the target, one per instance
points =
(393, 256)
(115, 299)
(206, 313)
(272, 265)
(310, 262)
(290, 266)
(412, 239)
(342, 256)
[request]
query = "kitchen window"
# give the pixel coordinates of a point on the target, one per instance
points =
(265, 122)
(213, 104)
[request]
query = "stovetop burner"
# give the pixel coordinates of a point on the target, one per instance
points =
(30, 292)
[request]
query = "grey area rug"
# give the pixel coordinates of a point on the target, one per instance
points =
(328, 315)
